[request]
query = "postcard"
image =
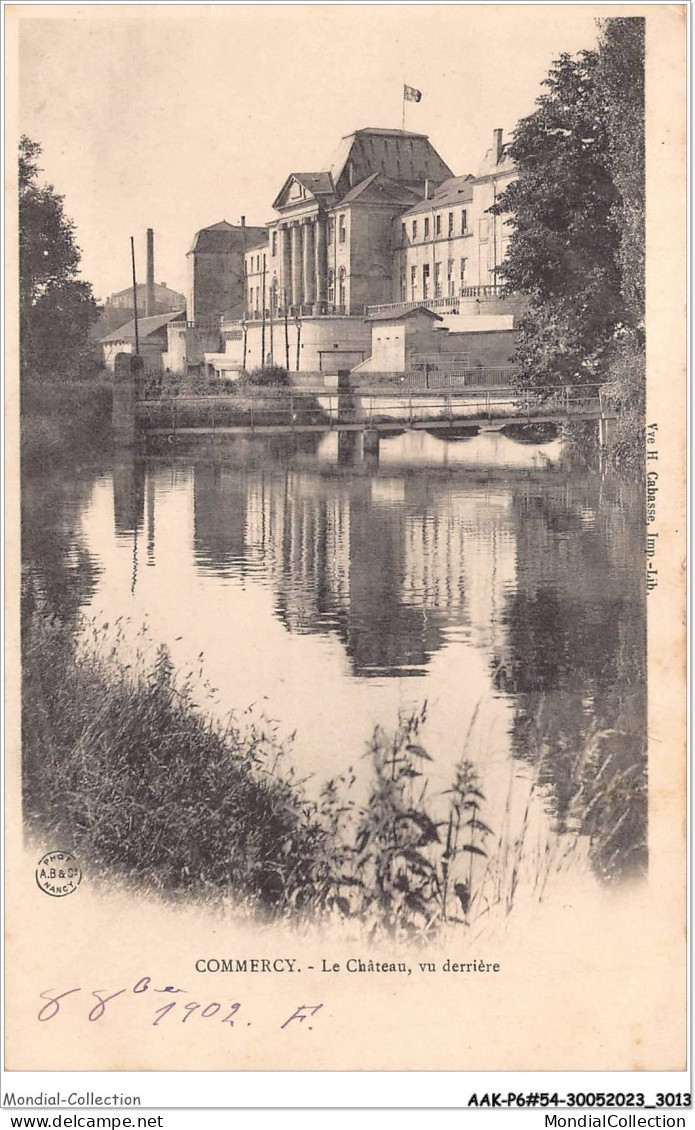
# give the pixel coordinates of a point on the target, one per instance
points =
(345, 538)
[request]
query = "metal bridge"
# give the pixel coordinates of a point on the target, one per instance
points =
(283, 411)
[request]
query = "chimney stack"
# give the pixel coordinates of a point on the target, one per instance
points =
(497, 145)
(149, 294)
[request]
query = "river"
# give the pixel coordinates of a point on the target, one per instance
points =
(334, 589)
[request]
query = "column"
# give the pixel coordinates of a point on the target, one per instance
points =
(308, 261)
(285, 267)
(296, 240)
(320, 262)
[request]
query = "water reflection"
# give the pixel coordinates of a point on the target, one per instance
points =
(345, 583)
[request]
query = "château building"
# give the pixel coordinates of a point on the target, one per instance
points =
(384, 227)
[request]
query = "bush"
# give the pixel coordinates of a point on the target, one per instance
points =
(269, 375)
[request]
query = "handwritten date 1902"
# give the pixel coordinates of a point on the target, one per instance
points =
(214, 1010)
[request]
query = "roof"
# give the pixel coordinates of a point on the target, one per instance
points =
(386, 316)
(225, 237)
(491, 164)
(405, 157)
(146, 327)
(158, 288)
(315, 182)
(455, 190)
(254, 241)
(378, 188)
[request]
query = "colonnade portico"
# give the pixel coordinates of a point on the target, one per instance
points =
(303, 266)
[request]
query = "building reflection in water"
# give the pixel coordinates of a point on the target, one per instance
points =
(539, 572)
(379, 561)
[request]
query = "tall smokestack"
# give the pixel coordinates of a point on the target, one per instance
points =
(149, 294)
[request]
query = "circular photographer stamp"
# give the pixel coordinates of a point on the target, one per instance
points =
(58, 874)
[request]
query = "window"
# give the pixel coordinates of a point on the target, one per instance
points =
(274, 295)
(426, 280)
(331, 229)
(437, 280)
(413, 283)
(462, 273)
(331, 286)
(274, 243)
(246, 266)
(414, 230)
(438, 224)
(451, 225)
(341, 228)
(450, 278)
(404, 234)
(404, 284)
(464, 222)
(341, 286)
(427, 228)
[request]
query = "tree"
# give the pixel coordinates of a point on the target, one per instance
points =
(57, 308)
(620, 89)
(575, 212)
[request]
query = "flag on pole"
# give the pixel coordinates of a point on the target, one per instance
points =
(410, 94)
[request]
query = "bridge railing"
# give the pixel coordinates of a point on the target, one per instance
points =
(288, 410)
(430, 376)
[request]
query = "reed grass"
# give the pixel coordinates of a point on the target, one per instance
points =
(124, 765)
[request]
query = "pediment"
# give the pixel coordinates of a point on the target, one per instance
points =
(303, 188)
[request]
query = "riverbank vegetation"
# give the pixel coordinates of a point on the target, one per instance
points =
(124, 766)
(576, 212)
(65, 422)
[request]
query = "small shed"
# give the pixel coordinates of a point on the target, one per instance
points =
(152, 335)
(397, 337)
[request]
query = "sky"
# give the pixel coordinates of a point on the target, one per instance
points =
(175, 117)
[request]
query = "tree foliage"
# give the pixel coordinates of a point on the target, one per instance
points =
(57, 308)
(577, 211)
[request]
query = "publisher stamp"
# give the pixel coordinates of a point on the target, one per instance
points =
(58, 874)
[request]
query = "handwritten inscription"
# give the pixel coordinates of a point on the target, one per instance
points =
(94, 1004)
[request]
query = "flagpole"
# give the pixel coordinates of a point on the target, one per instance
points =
(403, 121)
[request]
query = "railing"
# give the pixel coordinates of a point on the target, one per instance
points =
(449, 361)
(210, 322)
(302, 310)
(450, 303)
(284, 410)
(437, 378)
